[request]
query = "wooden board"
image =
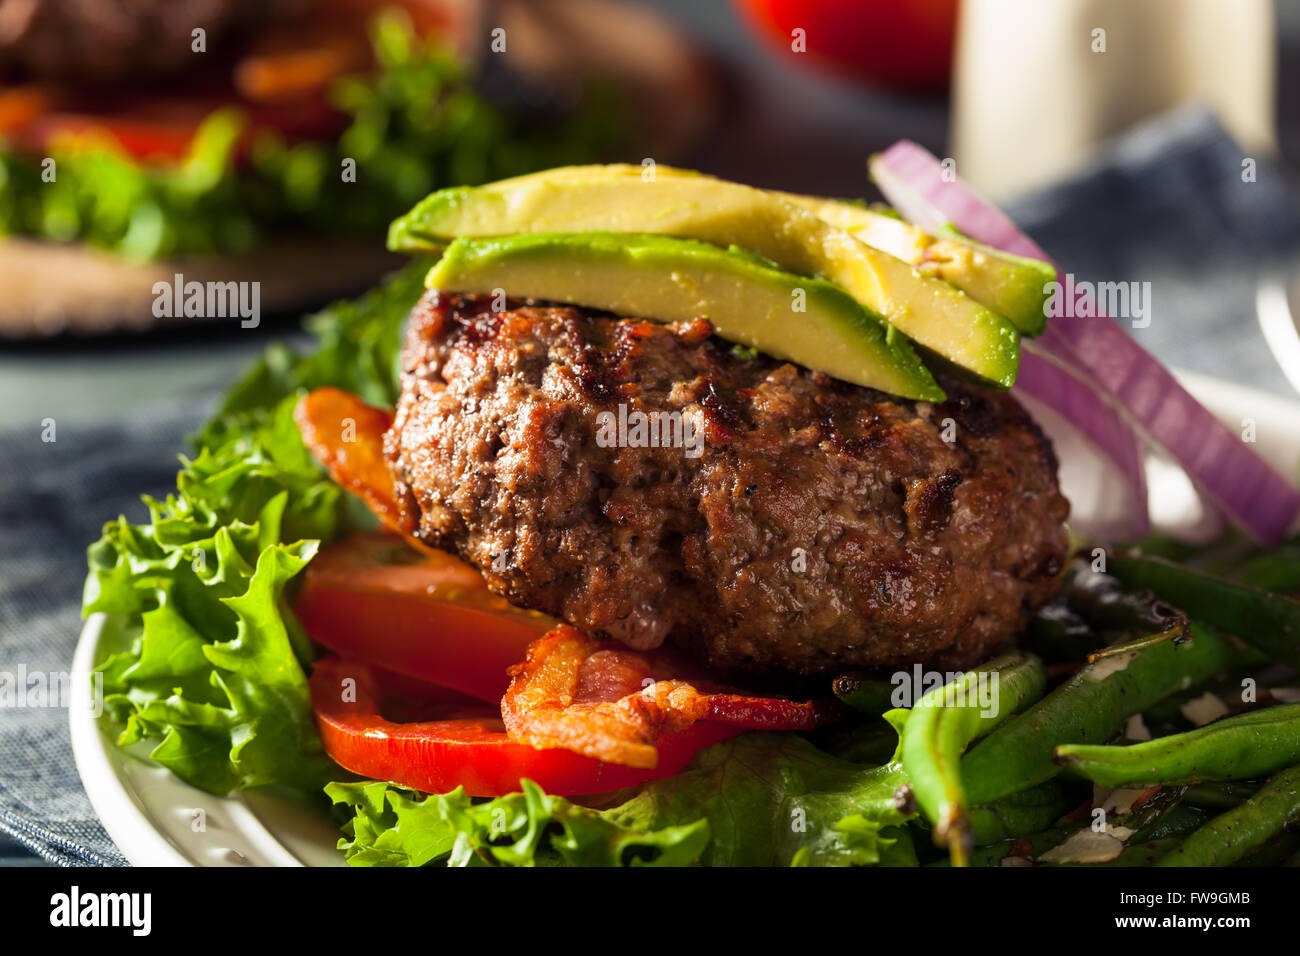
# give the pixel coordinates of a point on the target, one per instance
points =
(49, 288)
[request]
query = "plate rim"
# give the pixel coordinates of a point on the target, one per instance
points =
(142, 843)
(246, 820)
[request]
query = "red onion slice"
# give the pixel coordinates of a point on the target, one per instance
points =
(1106, 435)
(1123, 374)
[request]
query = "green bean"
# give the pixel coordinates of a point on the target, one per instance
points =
(1269, 621)
(1277, 569)
(1248, 745)
(1232, 835)
(1166, 716)
(1093, 610)
(941, 725)
(1089, 707)
(1282, 577)
(1019, 814)
(1157, 826)
(864, 693)
(1219, 795)
(1107, 605)
(1142, 853)
(1178, 821)
(1031, 846)
(1059, 633)
(1273, 853)
(1148, 818)
(1133, 854)
(1166, 547)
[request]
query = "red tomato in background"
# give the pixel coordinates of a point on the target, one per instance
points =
(160, 129)
(904, 44)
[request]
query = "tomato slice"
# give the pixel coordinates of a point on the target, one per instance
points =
(466, 746)
(425, 614)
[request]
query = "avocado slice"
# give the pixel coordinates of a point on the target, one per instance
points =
(1011, 285)
(748, 300)
(931, 312)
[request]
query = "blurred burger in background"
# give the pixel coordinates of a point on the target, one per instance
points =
(265, 137)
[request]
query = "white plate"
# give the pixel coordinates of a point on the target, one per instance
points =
(155, 818)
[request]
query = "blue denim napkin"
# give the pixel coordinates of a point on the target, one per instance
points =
(1165, 205)
(54, 499)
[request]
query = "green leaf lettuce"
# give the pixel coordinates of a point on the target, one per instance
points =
(207, 659)
(760, 799)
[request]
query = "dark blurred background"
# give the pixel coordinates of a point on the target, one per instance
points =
(872, 71)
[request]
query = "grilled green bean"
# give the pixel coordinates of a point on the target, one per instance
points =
(1219, 795)
(1248, 745)
(1277, 569)
(1106, 604)
(864, 693)
(1089, 707)
(1275, 852)
(1148, 820)
(1178, 821)
(1230, 836)
(1141, 852)
(1269, 621)
(1059, 633)
(944, 722)
(1134, 854)
(1031, 846)
(1019, 814)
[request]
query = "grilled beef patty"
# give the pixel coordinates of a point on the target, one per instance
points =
(810, 526)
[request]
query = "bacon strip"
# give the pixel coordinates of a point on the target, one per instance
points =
(606, 701)
(347, 437)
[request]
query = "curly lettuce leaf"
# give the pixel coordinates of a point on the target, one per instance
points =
(207, 658)
(776, 800)
(391, 826)
(760, 799)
